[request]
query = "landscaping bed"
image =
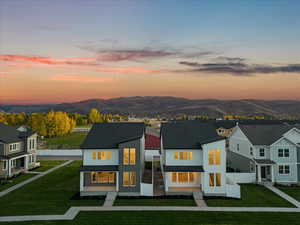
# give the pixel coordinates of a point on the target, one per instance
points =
(51, 194)
(252, 196)
(155, 201)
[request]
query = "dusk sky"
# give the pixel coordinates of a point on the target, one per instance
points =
(63, 51)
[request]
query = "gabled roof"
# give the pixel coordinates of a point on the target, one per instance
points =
(264, 134)
(110, 135)
(188, 134)
(10, 134)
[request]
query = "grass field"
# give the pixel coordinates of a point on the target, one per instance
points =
(174, 218)
(252, 196)
(48, 164)
(52, 194)
(72, 140)
(13, 181)
(154, 202)
(293, 191)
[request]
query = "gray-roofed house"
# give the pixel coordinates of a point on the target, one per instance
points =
(113, 159)
(18, 147)
(270, 151)
(194, 160)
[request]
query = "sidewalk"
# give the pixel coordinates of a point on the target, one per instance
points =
(283, 195)
(8, 190)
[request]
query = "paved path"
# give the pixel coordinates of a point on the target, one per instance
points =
(110, 198)
(73, 211)
(198, 197)
(8, 190)
(283, 195)
(42, 158)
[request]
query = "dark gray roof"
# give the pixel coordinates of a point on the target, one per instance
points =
(264, 134)
(264, 161)
(10, 156)
(110, 135)
(183, 169)
(10, 134)
(188, 134)
(99, 168)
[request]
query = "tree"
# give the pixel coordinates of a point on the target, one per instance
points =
(94, 116)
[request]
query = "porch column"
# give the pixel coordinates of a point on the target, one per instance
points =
(259, 173)
(272, 174)
(9, 167)
(26, 158)
(81, 180)
(117, 181)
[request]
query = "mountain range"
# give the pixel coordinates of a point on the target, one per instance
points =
(170, 106)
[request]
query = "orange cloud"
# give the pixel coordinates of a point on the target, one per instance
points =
(89, 61)
(78, 78)
(128, 70)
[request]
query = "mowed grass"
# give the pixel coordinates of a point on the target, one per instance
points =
(293, 191)
(48, 164)
(154, 202)
(50, 194)
(174, 218)
(252, 196)
(13, 181)
(72, 140)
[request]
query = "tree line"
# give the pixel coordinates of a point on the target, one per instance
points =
(53, 123)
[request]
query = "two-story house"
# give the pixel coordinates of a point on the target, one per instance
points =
(113, 159)
(18, 147)
(193, 158)
(271, 151)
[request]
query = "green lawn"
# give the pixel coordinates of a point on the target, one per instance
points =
(252, 196)
(48, 164)
(13, 181)
(174, 218)
(154, 202)
(50, 194)
(72, 140)
(293, 191)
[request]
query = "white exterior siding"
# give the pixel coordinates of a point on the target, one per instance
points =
(220, 145)
(89, 161)
(293, 135)
(196, 161)
(240, 144)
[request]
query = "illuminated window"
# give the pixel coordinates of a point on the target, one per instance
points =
(94, 155)
(174, 177)
(132, 156)
(108, 155)
(190, 155)
(214, 157)
(129, 179)
(184, 155)
(103, 177)
(175, 155)
(181, 155)
(191, 177)
(218, 179)
(211, 179)
(126, 156)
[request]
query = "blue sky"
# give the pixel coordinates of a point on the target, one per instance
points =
(264, 33)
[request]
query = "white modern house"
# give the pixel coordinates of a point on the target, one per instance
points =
(271, 151)
(194, 160)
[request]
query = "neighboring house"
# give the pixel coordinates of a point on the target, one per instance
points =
(271, 151)
(18, 147)
(194, 159)
(152, 146)
(224, 127)
(113, 159)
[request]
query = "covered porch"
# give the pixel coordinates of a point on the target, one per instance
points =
(265, 170)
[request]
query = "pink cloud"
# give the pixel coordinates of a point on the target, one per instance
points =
(78, 78)
(128, 70)
(88, 61)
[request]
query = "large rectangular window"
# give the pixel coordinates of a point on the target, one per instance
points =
(218, 179)
(102, 177)
(211, 179)
(129, 156)
(101, 155)
(14, 147)
(129, 179)
(284, 169)
(215, 179)
(175, 155)
(262, 152)
(183, 177)
(183, 155)
(214, 157)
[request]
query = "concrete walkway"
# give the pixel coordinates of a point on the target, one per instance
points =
(110, 198)
(8, 190)
(198, 198)
(73, 211)
(283, 195)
